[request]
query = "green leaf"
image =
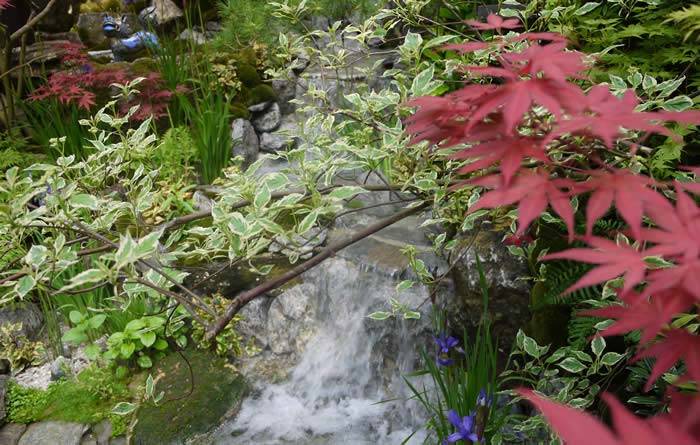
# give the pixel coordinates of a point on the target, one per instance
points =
(530, 346)
(97, 321)
(24, 285)
(237, 224)
(85, 277)
(438, 41)
(148, 338)
(379, 315)
(86, 201)
(181, 341)
(92, 351)
(668, 87)
(262, 197)
(148, 244)
(572, 365)
(126, 253)
(161, 344)
(678, 103)
(150, 387)
(135, 325)
(598, 345)
(127, 349)
(610, 358)
(618, 82)
(309, 221)
(423, 83)
(144, 361)
(75, 317)
(649, 83)
(588, 7)
(405, 284)
(36, 256)
(411, 315)
(123, 408)
(635, 79)
(75, 336)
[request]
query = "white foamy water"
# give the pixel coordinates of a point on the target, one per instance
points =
(350, 364)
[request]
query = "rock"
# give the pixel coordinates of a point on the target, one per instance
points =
(69, 36)
(53, 433)
(299, 64)
(60, 368)
(121, 440)
(102, 432)
(11, 433)
(259, 108)
(286, 89)
(253, 324)
(62, 16)
(161, 14)
(103, 56)
(3, 390)
(88, 439)
(269, 120)
(26, 313)
(193, 407)
(195, 37)
(290, 319)
(245, 141)
(211, 29)
(90, 31)
(4, 366)
(282, 139)
(202, 202)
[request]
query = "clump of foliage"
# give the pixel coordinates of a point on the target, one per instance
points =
(570, 138)
(17, 348)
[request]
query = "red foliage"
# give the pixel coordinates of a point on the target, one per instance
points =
(518, 168)
(4, 4)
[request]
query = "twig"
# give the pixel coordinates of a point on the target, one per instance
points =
(242, 299)
(30, 24)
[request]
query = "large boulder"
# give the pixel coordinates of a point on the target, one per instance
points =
(61, 18)
(161, 14)
(53, 433)
(290, 319)
(245, 141)
(11, 433)
(286, 89)
(268, 120)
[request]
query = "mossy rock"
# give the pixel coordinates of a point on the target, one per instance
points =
(248, 56)
(189, 408)
(549, 324)
(262, 93)
(144, 66)
(248, 75)
(239, 111)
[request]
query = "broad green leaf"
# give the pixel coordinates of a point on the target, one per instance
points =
(148, 338)
(678, 103)
(649, 83)
(379, 315)
(150, 387)
(127, 349)
(610, 358)
(262, 197)
(161, 344)
(36, 256)
(423, 83)
(598, 345)
(92, 351)
(75, 336)
(411, 315)
(668, 87)
(75, 317)
(405, 284)
(85, 277)
(531, 347)
(572, 365)
(345, 192)
(617, 82)
(309, 220)
(86, 201)
(135, 325)
(148, 244)
(126, 253)
(586, 8)
(144, 361)
(123, 408)
(438, 41)
(237, 224)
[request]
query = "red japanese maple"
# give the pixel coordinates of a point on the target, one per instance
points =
(507, 145)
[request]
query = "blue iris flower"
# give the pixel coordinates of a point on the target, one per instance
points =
(445, 343)
(483, 399)
(465, 426)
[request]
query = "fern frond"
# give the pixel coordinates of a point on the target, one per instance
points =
(688, 19)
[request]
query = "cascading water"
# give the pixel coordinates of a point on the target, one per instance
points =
(346, 369)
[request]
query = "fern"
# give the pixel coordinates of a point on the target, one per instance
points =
(688, 19)
(560, 275)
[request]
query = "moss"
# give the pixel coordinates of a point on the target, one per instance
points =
(549, 324)
(262, 93)
(239, 111)
(248, 75)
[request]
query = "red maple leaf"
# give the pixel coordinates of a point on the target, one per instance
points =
(508, 151)
(576, 427)
(628, 191)
(678, 344)
(614, 260)
(466, 47)
(533, 192)
(552, 60)
(496, 22)
(678, 229)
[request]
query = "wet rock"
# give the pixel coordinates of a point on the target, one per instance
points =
(259, 108)
(195, 37)
(27, 314)
(269, 120)
(121, 440)
(161, 14)
(245, 141)
(53, 433)
(11, 433)
(88, 439)
(202, 202)
(283, 139)
(290, 319)
(193, 407)
(285, 89)
(103, 56)
(300, 64)
(61, 18)
(253, 324)
(102, 432)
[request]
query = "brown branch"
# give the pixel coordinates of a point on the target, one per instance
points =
(175, 296)
(244, 298)
(30, 24)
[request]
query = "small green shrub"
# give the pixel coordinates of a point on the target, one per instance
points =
(17, 348)
(25, 405)
(176, 153)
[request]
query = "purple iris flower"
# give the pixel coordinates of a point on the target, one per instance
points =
(483, 399)
(444, 361)
(465, 426)
(445, 343)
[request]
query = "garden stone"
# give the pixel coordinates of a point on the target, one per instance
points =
(269, 120)
(103, 56)
(90, 31)
(299, 64)
(160, 14)
(281, 139)
(259, 108)
(286, 89)
(121, 440)
(245, 141)
(61, 17)
(195, 37)
(11, 433)
(60, 368)
(53, 433)
(253, 323)
(202, 202)
(27, 314)
(102, 432)
(3, 390)
(89, 439)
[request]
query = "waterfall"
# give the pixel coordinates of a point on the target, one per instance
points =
(348, 366)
